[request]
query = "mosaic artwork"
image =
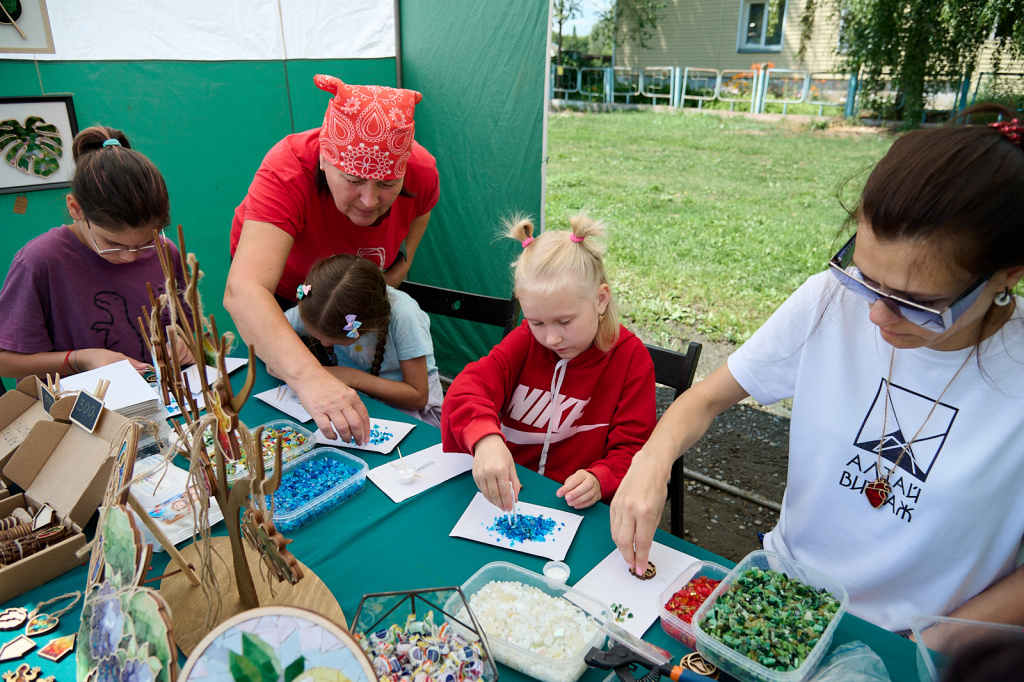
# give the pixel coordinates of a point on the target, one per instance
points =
(281, 643)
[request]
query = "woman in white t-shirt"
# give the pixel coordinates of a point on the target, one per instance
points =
(905, 362)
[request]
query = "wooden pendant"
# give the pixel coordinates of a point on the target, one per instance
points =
(41, 624)
(12, 618)
(877, 492)
(16, 648)
(26, 673)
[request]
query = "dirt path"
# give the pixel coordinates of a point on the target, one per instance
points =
(745, 447)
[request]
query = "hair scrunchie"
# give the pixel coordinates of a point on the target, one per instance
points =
(1012, 129)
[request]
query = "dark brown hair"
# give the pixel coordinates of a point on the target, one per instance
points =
(347, 285)
(116, 186)
(958, 188)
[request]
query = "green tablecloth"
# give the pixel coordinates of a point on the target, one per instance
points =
(370, 544)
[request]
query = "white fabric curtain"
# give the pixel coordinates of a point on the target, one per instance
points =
(221, 30)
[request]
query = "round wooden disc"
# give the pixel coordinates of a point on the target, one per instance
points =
(189, 609)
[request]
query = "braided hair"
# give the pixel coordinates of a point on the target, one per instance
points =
(347, 285)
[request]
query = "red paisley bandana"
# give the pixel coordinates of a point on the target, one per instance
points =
(367, 129)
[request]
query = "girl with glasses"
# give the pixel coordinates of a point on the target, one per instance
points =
(905, 363)
(71, 299)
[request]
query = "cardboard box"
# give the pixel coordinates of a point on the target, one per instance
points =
(20, 409)
(61, 464)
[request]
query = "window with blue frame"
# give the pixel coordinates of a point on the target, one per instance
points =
(761, 26)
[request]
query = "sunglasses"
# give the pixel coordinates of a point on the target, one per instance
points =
(121, 249)
(851, 277)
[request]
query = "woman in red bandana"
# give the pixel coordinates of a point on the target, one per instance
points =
(360, 185)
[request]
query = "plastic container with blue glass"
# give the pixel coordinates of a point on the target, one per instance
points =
(314, 484)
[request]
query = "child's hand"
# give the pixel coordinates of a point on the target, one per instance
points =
(493, 469)
(92, 358)
(580, 490)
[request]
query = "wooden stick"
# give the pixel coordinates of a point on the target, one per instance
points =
(13, 22)
(164, 541)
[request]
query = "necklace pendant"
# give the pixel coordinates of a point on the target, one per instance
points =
(41, 624)
(13, 618)
(877, 492)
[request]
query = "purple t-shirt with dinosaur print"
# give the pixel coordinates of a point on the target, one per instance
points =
(60, 295)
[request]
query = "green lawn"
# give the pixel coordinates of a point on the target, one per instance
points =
(714, 220)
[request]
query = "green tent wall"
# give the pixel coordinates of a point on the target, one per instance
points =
(480, 67)
(207, 125)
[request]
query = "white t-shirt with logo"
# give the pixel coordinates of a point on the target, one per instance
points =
(955, 519)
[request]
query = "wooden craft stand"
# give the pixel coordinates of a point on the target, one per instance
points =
(187, 592)
(188, 605)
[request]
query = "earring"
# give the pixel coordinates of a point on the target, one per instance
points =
(1003, 297)
(600, 318)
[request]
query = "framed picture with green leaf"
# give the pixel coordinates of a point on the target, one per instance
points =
(35, 142)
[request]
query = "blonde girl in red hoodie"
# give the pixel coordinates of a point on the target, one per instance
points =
(570, 392)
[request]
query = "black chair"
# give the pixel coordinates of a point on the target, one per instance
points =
(676, 370)
(462, 305)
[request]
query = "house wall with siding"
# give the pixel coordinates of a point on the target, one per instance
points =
(705, 33)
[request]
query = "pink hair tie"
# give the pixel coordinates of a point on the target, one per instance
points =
(576, 239)
(526, 242)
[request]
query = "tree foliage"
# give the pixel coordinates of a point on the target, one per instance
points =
(917, 47)
(630, 21)
(563, 11)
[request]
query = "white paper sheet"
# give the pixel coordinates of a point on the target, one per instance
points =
(481, 516)
(191, 375)
(432, 466)
(611, 582)
(173, 410)
(286, 400)
(174, 514)
(159, 486)
(397, 430)
(127, 387)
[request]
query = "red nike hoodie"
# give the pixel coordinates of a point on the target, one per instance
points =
(557, 416)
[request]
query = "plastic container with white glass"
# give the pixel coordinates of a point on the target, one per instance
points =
(534, 624)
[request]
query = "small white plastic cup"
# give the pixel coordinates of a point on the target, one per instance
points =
(405, 474)
(557, 571)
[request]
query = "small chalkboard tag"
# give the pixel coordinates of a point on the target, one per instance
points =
(46, 397)
(86, 411)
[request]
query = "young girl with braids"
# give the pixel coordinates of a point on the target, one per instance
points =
(570, 393)
(73, 295)
(380, 336)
